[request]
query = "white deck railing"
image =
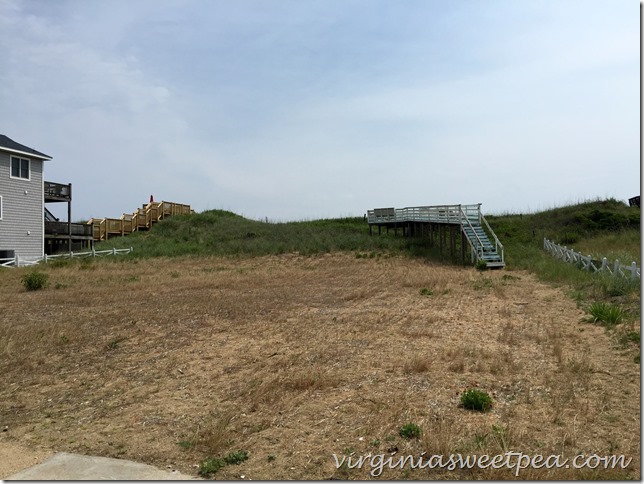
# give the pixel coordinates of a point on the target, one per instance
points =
(444, 214)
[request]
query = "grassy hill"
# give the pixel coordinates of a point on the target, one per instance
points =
(603, 228)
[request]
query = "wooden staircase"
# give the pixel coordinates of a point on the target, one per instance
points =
(140, 219)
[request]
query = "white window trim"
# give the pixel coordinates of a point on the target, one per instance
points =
(11, 168)
(1, 207)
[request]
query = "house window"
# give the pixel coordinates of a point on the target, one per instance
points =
(20, 168)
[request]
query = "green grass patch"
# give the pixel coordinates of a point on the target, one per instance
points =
(609, 314)
(475, 399)
(211, 465)
(35, 281)
(410, 431)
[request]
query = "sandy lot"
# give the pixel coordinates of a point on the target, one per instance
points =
(293, 359)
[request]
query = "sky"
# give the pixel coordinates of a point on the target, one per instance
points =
(304, 109)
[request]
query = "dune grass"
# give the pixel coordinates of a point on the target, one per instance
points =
(603, 228)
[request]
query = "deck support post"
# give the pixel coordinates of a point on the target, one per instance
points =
(452, 240)
(69, 220)
(463, 247)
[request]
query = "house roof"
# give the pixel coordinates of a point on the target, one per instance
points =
(7, 144)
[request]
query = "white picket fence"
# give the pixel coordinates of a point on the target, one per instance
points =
(588, 263)
(18, 261)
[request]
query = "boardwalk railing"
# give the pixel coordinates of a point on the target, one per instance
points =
(444, 214)
(587, 263)
(141, 219)
(18, 261)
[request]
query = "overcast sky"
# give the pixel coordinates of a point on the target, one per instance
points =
(301, 109)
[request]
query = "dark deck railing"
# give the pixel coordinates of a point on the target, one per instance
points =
(57, 192)
(61, 228)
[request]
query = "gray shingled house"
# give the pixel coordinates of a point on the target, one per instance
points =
(22, 201)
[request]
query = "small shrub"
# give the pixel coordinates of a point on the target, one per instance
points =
(209, 466)
(236, 458)
(409, 431)
(481, 265)
(609, 314)
(426, 292)
(475, 399)
(35, 281)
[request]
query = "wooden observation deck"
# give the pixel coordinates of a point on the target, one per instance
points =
(438, 220)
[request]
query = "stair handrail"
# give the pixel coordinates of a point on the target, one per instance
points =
(496, 239)
(463, 216)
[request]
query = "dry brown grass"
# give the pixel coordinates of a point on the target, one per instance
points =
(298, 358)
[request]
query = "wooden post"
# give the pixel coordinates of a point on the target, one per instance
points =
(69, 220)
(463, 247)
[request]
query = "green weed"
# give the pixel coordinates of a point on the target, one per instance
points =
(606, 313)
(211, 465)
(475, 399)
(35, 281)
(410, 431)
(481, 265)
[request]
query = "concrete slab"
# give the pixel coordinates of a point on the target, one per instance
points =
(76, 467)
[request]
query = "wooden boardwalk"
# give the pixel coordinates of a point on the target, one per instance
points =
(466, 220)
(141, 219)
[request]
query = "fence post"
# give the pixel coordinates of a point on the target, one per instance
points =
(616, 267)
(113, 250)
(633, 270)
(45, 258)
(604, 264)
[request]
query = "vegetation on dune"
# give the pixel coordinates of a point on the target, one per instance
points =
(222, 233)
(603, 228)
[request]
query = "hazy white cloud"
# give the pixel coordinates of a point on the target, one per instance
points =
(292, 110)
